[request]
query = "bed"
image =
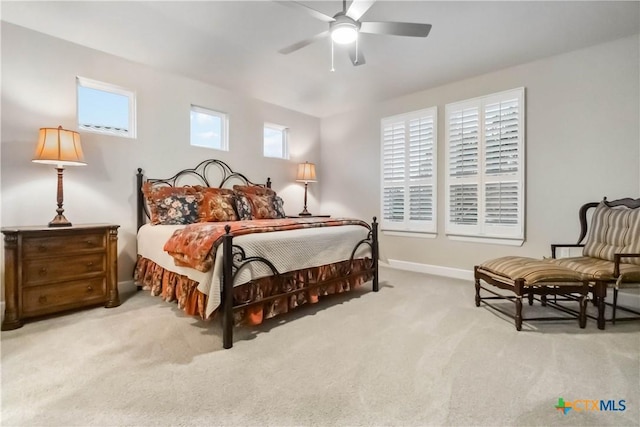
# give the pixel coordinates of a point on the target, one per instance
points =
(229, 250)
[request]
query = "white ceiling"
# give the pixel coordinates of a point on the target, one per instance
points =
(234, 44)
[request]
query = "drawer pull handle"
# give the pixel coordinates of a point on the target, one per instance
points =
(90, 264)
(42, 299)
(42, 248)
(43, 271)
(89, 289)
(90, 243)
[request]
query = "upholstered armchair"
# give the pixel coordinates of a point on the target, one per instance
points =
(611, 251)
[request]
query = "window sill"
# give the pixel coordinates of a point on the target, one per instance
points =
(418, 234)
(490, 240)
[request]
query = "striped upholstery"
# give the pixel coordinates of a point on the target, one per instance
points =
(508, 269)
(599, 269)
(613, 230)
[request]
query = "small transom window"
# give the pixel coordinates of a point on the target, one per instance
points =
(209, 129)
(105, 108)
(276, 141)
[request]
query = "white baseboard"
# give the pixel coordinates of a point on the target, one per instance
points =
(437, 270)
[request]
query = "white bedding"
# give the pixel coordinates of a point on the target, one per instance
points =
(288, 251)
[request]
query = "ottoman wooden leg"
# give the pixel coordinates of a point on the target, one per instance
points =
(518, 318)
(518, 313)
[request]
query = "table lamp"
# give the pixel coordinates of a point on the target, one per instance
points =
(306, 174)
(60, 147)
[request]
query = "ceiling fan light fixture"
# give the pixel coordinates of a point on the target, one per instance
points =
(344, 33)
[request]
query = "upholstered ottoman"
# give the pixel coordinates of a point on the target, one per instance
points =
(528, 277)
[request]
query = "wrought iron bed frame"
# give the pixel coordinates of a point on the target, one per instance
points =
(234, 257)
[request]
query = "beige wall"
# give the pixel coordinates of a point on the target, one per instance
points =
(38, 90)
(582, 143)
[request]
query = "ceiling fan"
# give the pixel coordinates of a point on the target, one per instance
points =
(345, 26)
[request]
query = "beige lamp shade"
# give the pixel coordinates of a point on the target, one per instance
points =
(306, 172)
(60, 147)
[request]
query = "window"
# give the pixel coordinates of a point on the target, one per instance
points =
(275, 141)
(485, 167)
(105, 108)
(209, 129)
(409, 172)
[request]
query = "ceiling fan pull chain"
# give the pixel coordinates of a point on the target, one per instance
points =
(357, 49)
(332, 69)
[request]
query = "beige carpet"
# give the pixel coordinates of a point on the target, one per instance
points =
(416, 353)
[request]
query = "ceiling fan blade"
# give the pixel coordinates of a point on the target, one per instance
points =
(396, 28)
(299, 6)
(303, 43)
(356, 60)
(359, 8)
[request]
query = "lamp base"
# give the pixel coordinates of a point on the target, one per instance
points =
(59, 221)
(305, 212)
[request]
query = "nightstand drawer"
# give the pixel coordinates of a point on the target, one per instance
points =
(52, 298)
(45, 270)
(49, 246)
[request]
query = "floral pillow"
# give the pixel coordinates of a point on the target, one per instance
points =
(170, 203)
(278, 206)
(256, 202)
(262, 207)
(177, 209)
(218, 204)
(243, 207)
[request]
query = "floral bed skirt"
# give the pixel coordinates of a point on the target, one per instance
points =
(175, 287)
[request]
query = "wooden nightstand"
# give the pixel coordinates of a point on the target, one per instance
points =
(48, 270)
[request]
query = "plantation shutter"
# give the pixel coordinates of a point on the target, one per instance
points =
(501, 136)
(393, 172)
(463, 160)
(463, 142)
(501, 203)
(485, 173)
(463, 206)
(502, 150)
(408, 172)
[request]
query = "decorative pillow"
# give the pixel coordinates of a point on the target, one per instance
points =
(160, 198)
(263, 202)
(243, 207)
(262, 207)
(278, 206)
(177, 209)
(254, 189)
(613, 230)
(217, 204)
